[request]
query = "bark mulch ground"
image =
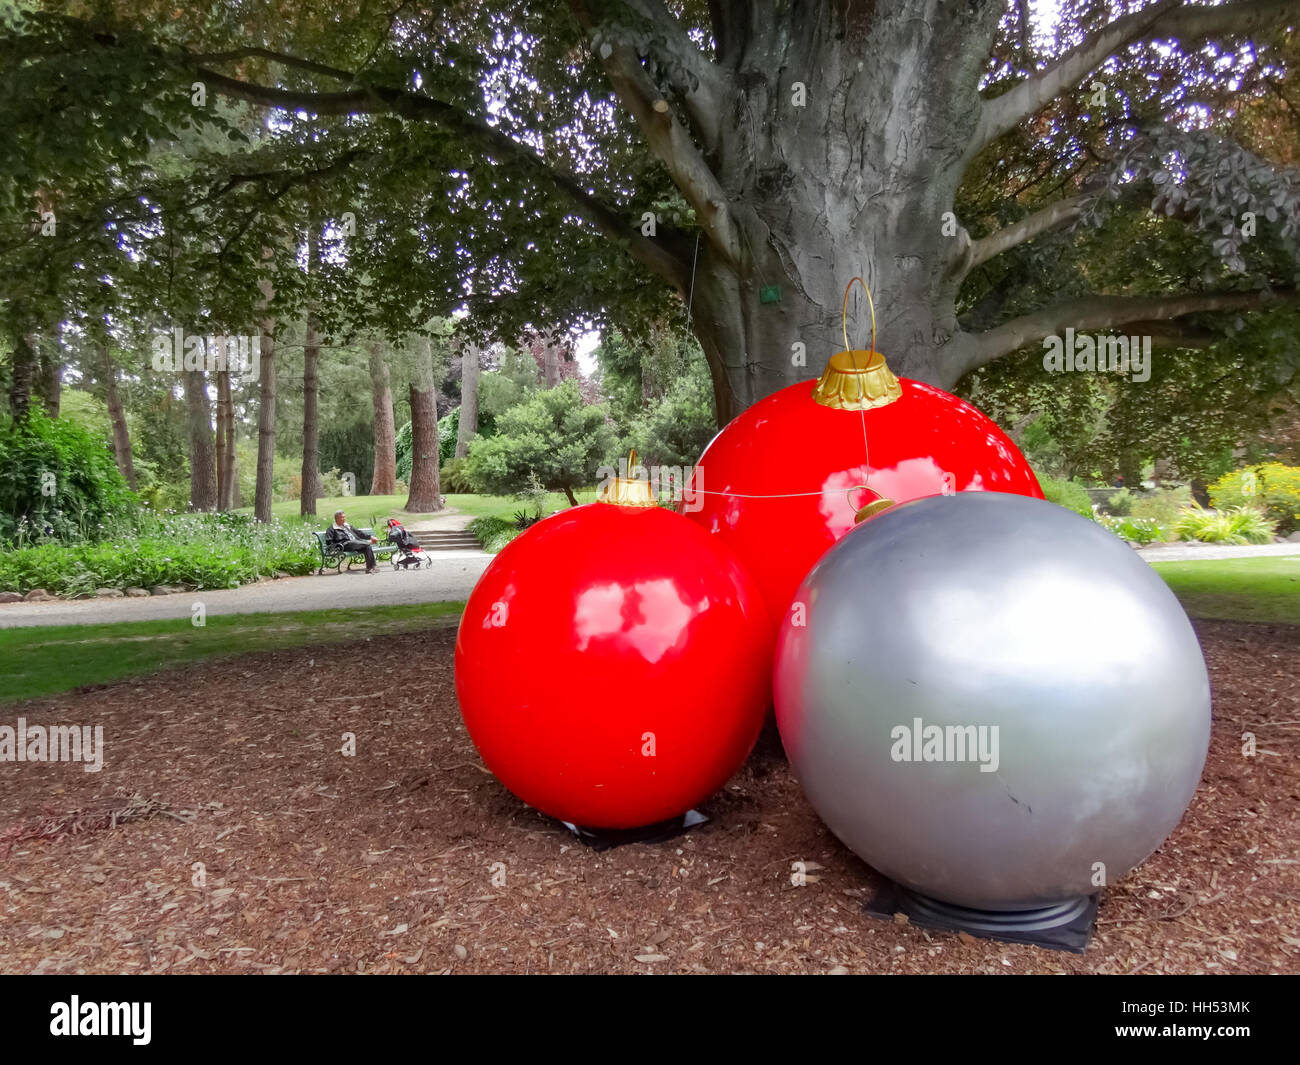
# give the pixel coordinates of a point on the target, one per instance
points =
(410, 857)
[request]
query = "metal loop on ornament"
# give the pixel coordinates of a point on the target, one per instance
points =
(844, 312)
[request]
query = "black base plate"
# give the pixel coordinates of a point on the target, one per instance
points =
(602, 839)
(1063, 926)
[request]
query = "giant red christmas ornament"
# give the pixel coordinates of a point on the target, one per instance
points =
(789, 476)
(613, 663)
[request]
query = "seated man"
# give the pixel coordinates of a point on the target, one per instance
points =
(343, 533)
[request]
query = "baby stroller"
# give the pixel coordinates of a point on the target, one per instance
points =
(409, 554)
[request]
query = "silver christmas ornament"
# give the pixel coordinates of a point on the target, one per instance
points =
(992, 700)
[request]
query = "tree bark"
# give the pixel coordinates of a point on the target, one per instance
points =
(51, 376)
(551, 350)
(227, 460)
(116, 415)
(264, 492)
(467, 423)
(25, 366)
(203, 456)
(310, 422)
(426, 491)
(383, 480)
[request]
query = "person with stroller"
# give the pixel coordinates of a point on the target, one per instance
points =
(343, 533)
(409, 552)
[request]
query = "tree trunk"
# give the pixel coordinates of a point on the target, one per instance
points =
(310, 423)
(263, 494)
(51, 376)
(854, 179)
(26, 364)
(116, 415)
(227, 467)
(467, 423)
(383, 481)
(551, 349)
(203, 456)
(426, 492)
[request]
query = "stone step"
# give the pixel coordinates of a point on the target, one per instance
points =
(447, 541)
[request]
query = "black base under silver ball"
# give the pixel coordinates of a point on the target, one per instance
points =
(1061, 926)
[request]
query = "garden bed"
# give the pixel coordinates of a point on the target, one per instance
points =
(388, 861)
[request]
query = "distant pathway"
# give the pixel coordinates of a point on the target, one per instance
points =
(1193, 552)
(451, 577)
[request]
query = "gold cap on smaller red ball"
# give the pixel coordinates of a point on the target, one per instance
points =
(628, 491)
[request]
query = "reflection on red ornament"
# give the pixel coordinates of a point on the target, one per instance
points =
(613, 664)
(812, 447)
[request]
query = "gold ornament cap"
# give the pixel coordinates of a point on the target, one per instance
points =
(628, 491)
(857, 379)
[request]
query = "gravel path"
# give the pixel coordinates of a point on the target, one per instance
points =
(1192, 552)
(451, 577)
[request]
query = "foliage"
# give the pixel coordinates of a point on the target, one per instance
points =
(1121, 503)
(194, 550)
(453, 479)
(1162, 505)
(59, 481)
(1270, 485)
(493, 533)
(1236, 525)
(1132, 530)
(553, 437)
(499, 390)
(1068, 494)
(675, 429)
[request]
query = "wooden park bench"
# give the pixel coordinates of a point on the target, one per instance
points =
(334, 555)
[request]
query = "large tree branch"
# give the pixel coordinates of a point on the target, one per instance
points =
(296, 62)
(1050, 217)
(667, 137)
(377, 99)
(1165, 20)
(1102, 312)
(704, 88)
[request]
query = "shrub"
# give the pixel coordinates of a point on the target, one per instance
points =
(1270, 486)
(453, 479)
(1133, 530)
(553, 439)
(59, 481)
(493, 533)
(195, 550)
(1068, 494)
(1163, 505)
(1121, 503)
(1236, 525)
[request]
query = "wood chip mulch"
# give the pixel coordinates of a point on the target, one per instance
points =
(227, 833)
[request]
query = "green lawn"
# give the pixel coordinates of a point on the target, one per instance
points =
(1237, 589)
(47, 660)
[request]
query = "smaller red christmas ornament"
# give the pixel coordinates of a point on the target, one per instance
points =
(790, 476)
(613, 663)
